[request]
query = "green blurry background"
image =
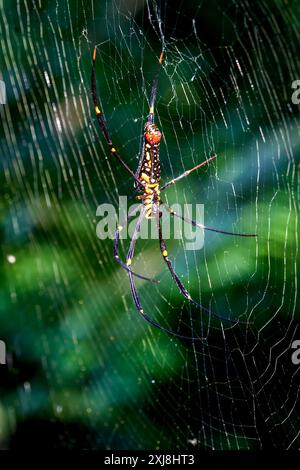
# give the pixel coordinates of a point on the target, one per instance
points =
(83, 370)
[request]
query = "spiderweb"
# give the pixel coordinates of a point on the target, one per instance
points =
(82, 366)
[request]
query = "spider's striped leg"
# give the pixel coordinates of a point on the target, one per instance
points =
(179, 284)
(187, 172)
(102, 123)
(205, 227)
(119, 228)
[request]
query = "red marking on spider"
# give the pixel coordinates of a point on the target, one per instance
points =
(153, 138)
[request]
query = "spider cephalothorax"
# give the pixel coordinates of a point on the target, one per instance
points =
(152, 134)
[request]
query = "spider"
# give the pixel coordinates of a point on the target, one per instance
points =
(147, 182)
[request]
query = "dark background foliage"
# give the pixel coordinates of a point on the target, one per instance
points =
(83, 370)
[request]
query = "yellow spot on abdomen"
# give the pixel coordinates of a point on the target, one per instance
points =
(145, 177)
(165, 253)
(97, 109)
(128, 262)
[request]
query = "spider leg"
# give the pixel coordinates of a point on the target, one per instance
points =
(135, 295)
(152, 322)
(205, 227)
(102, 123)
(187, 172)
(179, 284)
(119, 228)
(154, 89)
(134, 237)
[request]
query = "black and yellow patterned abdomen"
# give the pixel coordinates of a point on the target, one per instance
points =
(149, 170)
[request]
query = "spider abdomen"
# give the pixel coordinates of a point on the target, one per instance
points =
(149, 167)
(149, 170)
